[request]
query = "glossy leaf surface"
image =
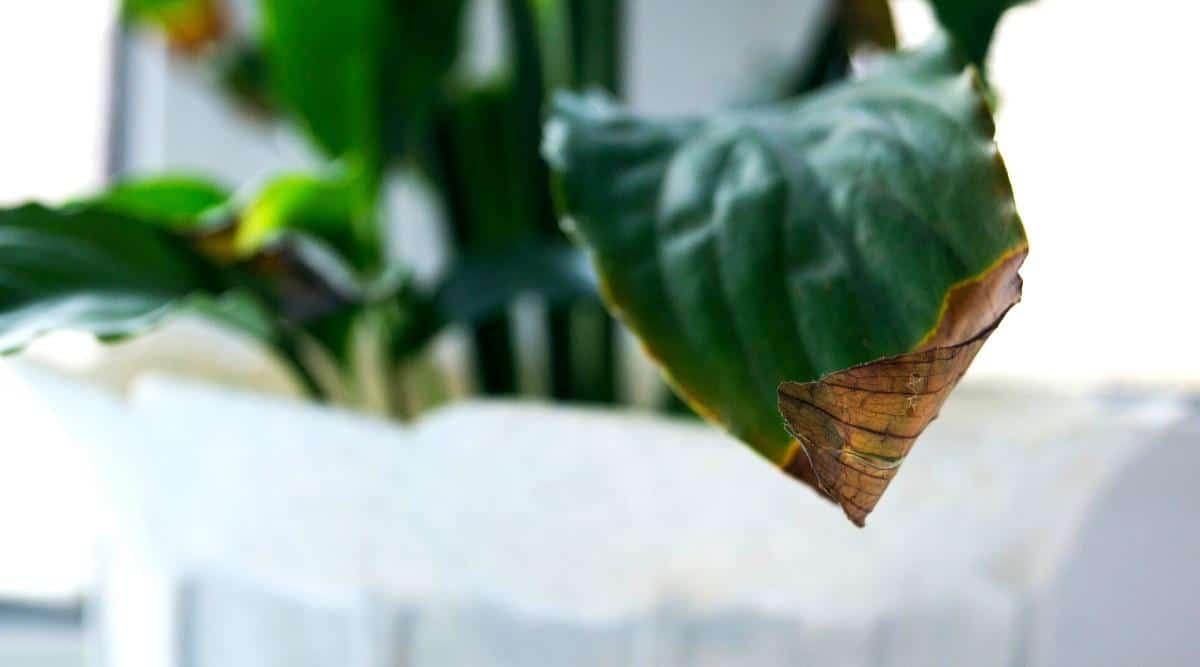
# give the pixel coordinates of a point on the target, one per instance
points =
(757, 247)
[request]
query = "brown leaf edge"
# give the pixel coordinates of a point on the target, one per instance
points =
(853, 428)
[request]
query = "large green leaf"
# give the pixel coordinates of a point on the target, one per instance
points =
(88, 270)
(756, 247)
(357, 72)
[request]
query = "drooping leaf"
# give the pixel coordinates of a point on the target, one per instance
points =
(188, 25)
(89, 270)
(175, 201)
(757, 247)
(973, 23)
(355, 73)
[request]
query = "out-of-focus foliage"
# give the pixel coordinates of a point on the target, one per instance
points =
(89, 270)
(242, 71)
(359, 74)
(373, 85)
(177, 201)
(189, 25)
(484, 284)
(325, 207)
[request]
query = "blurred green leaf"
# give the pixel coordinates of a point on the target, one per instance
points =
(489, 189)
(481, 285)
(491, 186)
(356, 73)
(973, 23)
(89, 270)
(175, 201)
(325, 207)
(752, 247)
(239, 310)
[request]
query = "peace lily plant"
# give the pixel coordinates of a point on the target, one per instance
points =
(813, 271)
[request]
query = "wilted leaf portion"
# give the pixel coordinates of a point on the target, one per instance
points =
(755, 247)
(854, 428)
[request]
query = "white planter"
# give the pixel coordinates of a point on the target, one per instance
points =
(1027, 528)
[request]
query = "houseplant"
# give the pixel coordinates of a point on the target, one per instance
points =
(752, 251)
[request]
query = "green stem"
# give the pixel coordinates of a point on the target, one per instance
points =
(597, 43)
(399, 403)
(494, 350)
(596, 28)
(289, 351)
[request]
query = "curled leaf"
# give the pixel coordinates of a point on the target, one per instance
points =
(762, 247)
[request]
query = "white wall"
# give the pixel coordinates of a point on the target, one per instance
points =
(54, 66)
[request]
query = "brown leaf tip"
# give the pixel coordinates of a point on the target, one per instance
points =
(853, 428)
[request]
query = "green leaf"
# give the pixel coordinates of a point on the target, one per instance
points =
(239, 310)
(759, 246)
(355, 73)
(324, 207)
(175, 201)
(492, 179)
(88, 270)
(482, 285)
(972, 24)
